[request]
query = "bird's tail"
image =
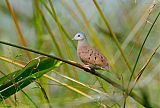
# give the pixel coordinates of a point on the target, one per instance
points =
(108, 67)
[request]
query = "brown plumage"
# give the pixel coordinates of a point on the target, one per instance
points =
(90, 56)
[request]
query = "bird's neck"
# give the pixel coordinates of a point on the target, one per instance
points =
(82, 43)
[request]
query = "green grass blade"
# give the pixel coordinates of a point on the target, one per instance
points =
(143, 68)
(49, 29)
(53, 14)
(34, 103)
(138, 59)
(142, 48)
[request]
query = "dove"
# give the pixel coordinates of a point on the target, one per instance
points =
(90, 56)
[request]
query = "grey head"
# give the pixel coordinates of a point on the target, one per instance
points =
(80, 36)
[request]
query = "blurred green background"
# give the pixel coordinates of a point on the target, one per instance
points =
(49, 31)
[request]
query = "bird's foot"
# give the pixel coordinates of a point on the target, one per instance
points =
(88, 67)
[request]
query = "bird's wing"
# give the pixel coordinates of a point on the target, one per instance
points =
(91, 56)
(99, 58)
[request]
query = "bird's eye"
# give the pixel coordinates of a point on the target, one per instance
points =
(78, 35)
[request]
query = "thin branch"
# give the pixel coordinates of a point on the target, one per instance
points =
(44, 54)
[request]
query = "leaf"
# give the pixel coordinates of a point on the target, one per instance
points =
(12, 83)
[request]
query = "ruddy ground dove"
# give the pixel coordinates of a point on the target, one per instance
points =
(90, 56)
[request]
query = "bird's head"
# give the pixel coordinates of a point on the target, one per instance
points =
(79, 36)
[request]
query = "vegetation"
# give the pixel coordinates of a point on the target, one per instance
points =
(39, 66)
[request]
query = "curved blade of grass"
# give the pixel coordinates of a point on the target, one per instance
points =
(143, 68)
(38, 22)
(82, 84)
(34, 103)
(150, 77)
(44, 94)
(17, 80)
